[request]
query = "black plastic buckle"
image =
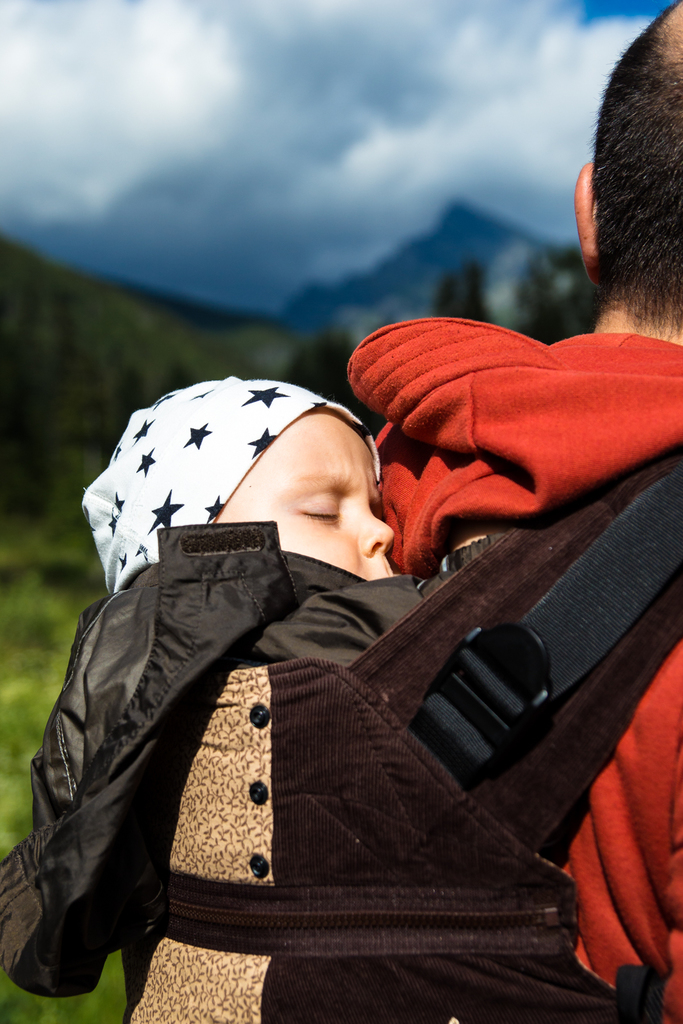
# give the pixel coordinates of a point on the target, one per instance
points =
(499, 680)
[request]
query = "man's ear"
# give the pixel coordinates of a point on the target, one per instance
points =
(584, 206)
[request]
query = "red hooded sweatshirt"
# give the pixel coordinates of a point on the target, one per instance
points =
(487, 424)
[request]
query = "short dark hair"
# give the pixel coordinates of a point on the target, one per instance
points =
(638, 181)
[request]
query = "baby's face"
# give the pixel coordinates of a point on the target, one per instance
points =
(317, 481)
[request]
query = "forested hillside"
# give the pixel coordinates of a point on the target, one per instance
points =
(77, 356)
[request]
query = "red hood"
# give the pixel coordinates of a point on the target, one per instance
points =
(494, 425)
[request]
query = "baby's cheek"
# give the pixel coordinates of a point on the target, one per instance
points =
(304, 536)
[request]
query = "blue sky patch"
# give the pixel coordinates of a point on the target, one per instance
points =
(630, 8)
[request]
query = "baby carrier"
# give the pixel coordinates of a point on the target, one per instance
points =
(396, 872)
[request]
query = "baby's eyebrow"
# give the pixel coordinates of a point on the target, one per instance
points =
(334, 480)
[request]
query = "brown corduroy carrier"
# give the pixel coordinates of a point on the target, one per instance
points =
(387, 894)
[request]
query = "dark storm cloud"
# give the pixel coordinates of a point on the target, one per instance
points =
(236, 151)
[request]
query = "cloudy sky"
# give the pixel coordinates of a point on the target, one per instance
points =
(234, 150)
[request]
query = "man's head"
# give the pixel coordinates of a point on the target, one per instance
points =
(179, 461)
(318, 482)
(629, 203)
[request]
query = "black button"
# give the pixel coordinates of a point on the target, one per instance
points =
(259, 865)
(258, 791)
(259, 716)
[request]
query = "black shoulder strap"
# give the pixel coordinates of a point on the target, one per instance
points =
(501, 682)
(640, 995)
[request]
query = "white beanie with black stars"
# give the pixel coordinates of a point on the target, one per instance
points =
(179, 461)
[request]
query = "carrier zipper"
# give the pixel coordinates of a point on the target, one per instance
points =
(546, 916)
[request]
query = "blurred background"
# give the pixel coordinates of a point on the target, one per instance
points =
(194, 188)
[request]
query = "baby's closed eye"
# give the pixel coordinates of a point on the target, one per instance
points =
(323, 517)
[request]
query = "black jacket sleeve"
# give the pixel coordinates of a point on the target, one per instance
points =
(82, 884)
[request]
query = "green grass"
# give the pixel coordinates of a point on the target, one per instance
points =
(103, 1006)
(46, 579)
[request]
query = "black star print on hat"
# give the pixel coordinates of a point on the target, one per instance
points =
(142, 550)
(142, 432)
(267, 397)
(197, 436)
(165, 512)
(119, 502)
(113, 524)
(123, 561)
(361, 429)
(195, 397)
(147, 461)
(117, 452)
(214, 509)
(319, 405)
(165, 398)
(263, 442)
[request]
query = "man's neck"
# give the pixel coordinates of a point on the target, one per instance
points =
(619, 321)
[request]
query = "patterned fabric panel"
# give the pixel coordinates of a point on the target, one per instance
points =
(184, 984)
(199, 819)
(219, 827)
(197, 814)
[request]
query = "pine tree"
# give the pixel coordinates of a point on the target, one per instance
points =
(462, 294)
(556, 299)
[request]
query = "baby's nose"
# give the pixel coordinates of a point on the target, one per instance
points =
(380, 538)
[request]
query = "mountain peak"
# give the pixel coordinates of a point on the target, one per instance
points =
(401, 286)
